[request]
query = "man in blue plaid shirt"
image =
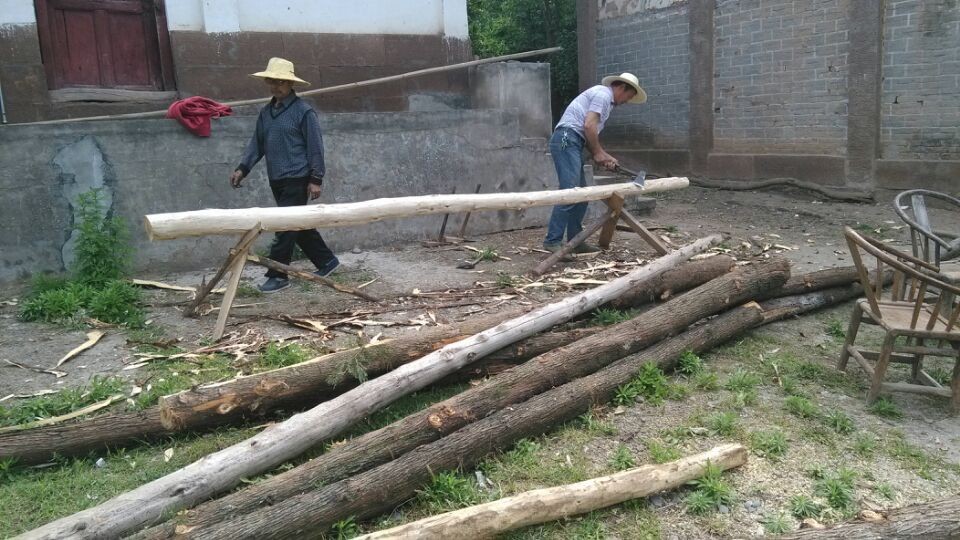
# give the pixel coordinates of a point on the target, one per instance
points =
(288, 135)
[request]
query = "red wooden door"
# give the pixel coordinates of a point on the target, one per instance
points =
(105, 43)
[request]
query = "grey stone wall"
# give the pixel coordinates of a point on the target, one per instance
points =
(653, 45)
(780, 76)
(920, 104)
(155, 166)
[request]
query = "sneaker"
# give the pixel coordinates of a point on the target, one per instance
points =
(553, 248)
(328, 268)
(274, 284)
(586, 248)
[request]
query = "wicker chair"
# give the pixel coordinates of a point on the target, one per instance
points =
(929, 244)
(918, 307)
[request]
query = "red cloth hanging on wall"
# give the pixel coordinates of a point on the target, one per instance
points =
(195, 113)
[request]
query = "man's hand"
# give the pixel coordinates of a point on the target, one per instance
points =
(236, 178)
(313, 190)
(606, 160)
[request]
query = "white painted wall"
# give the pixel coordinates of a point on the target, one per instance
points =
(17, 12)
(429, 17)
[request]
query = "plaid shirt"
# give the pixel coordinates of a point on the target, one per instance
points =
(289, 136)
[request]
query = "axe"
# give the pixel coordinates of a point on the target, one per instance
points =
(637, 177)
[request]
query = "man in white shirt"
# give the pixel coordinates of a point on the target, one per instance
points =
(580, 126)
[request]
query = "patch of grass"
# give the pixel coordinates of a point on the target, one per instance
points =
(611, 316)
(278, 355)
(940, 374)
(790, 386)
(776, 523)
(505, 280)
(622, 459)
(835, 328)
(588, 527)
(488, 254)
(837, 489)
(661, 452)
(742, 399)
(885, 490)
(706, 380)
(591, 422)
(803, 507)
(839, 422)
(448, 491)
(690, 364)
(885, 408)
(246, 290)
(809, 371)
(404, 407)
(741, 381)
(801, 407)
(710, 492)
(171, 377)
(913, 457)
(864, 445)
(770, 444)
(650, 384)
(723, 424)
(62, 402)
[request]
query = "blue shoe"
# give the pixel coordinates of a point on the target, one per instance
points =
(328, 268)
(274, 284)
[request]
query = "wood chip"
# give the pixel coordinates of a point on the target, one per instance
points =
(27, 396)
(57, 419)
(167, 286)
(92, 339)
(38, 369)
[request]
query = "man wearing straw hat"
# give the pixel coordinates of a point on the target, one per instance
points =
(580, 126)
(288, 135)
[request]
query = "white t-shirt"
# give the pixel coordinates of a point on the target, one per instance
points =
(598, 99)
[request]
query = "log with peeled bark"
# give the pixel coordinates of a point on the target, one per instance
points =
(373, 492)
(224, 469)
(553, 503)
(937, 519)
(295, 218)
(557, 367)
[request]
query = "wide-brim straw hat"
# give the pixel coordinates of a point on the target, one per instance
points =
(280, 69)
(631, 80)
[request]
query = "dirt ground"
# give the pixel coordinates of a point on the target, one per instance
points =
(794, 224)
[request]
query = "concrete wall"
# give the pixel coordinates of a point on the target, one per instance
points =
(858, 93)
(520, 86)
(151, 166)
(217, 44)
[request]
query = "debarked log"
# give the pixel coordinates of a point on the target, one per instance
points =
(224, 469)
(513, 386)
(371, 493)
(549, 504)
(295, 218)
(937, 519)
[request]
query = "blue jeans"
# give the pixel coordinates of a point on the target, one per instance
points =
(566, 147)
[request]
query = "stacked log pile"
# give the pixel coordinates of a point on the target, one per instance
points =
(555, 376)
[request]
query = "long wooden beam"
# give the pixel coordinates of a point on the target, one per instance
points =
(294, 218)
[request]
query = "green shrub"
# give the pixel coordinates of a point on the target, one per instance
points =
(710, 492)
(772, 444)
(689, 364)
(803, 507)
(102, 249)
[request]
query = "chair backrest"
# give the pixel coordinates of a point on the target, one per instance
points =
(927, 243)
(914, 281)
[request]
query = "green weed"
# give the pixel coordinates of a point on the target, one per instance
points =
(839, 422)
(741, 381)
(836, 329)
(690, 364)
(278, 355)
(710, 492)
(742, 399)
(776, 523)
(723, 424)
(622, 459)
(62, 402)
(885, 408)
(885, 490)
(505, 280)
(661, 452)
(611, 316)
(803, 507)
(246, 290)
(706, 380)
(837, 489)
(488, 254)
(912, 456)
(345, 529)
(447, 491)
(801, 406)
(103, 249)
(864, 445)
(650, 384)
(591, 422)
(771, 444)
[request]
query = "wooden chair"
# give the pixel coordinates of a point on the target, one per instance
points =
(919, 307)
(933, 246)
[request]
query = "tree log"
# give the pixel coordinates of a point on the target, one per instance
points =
(674, 281)
(516, 385)
(815, 281)
(937, 519)
(777, 309)
(550, 504)
(224, 469)
(295, 218)
(381, 489)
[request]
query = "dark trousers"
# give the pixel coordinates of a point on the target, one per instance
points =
(293, 192)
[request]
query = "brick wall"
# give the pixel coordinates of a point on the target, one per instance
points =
(780, 76)
(920, 104)
(653, 45)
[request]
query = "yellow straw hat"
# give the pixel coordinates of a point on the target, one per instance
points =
(632, 81)
(280, 69)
